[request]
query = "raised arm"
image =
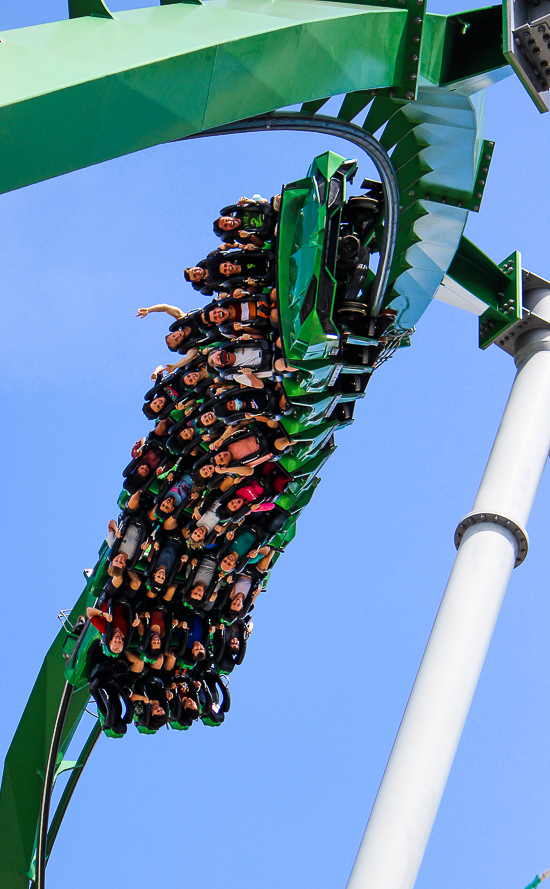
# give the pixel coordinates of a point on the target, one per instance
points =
(170, 368)
(162, 307)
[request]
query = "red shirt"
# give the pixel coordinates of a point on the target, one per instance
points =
(119, 620)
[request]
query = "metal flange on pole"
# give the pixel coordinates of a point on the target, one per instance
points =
(491, 541)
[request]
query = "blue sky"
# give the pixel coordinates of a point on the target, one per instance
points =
(280, 794)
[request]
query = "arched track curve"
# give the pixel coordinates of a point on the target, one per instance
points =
(331, 126)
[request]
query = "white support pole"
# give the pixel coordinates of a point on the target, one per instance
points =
(491, 542)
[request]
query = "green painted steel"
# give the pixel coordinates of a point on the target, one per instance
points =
(438, 148)
(306, 286)
(78, 92)
(498, 286)
(22, 779)
(95, 88)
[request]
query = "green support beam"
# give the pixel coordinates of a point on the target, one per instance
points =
(82, 91)
(25, 764)
(96, 87)
(498, 286)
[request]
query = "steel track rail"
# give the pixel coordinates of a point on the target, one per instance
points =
(49, 779)
(49, 775)
(280, 120)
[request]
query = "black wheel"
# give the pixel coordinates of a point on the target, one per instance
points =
(348, 247)
(353, 309)
(361, 209)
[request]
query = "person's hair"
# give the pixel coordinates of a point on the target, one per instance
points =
(225, 515)
(222, 411)
(133, 482)
(149, 412)
(156, 722)
(195, 544)
(220, 232)
(187, 276)
(114, 570)
(198, 481)
(120, 553)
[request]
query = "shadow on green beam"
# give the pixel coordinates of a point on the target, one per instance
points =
(79, 8)
(465, 49)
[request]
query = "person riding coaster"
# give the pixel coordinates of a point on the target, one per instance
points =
(147, 463)
(184, 706)
(175, 387)
(224, 270)
(233, 316)
(155, 629)
(232, 650)
(205, 583)
(166, 560)
(185, 332)
(151, 707)
(266, 404)
(248, 221)
(115, 622)
(244, 361)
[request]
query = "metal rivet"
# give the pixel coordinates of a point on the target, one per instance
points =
(410, 95)
(414, 57)
(418, 19)
(412, 75)
(476, 207)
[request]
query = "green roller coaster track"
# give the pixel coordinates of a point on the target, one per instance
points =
(99, 85)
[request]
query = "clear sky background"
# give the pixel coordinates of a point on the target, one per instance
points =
(280, 794)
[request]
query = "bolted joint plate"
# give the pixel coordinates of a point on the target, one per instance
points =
(528, 320)
(475, 518)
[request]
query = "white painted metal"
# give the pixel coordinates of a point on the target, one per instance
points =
(400, 824)
(455, 295)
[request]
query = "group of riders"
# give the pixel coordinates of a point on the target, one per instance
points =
(193, 545)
